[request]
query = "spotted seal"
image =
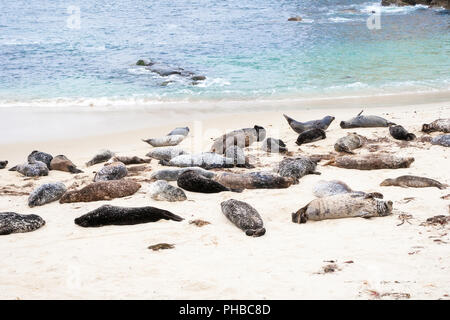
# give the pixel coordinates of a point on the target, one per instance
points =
(114, 171)
(443, 140)
(400, 133)
(165, 141)
(32, 169)
(206, 160)
(46, 193)
(241, 138)
(329, 188)
(62, 163)
(296, 168)
(173, 174)
(161, 190)
(342, 206)
(11, 222)
(165, 153)
(183, 131)
(310, 135)
(349, 143)
(3, 164)
(100, 157)
(40, 156)
(244, 216)
(413, 182)
(111, 215)
(129, 160)
(299, 127)
(371, 162)
(102, 190)
(253, 180)
(274, 146)
(442, 125)
(361, 121)
(194, 182)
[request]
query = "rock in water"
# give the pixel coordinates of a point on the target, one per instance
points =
(11, 222)
(244, 216)
(102, 190)
(413, 182)
(349, 143)
(296, 168)
(442, 125)
(173, 174)
(183, 131)
(295, 18)
(371, 162)
(111, 215)
(361, 121)
(46, 193)
(241, 138)
(443, 140)
(342, 206)
(100, 157)
(194, 182)
(161, 190)
(61, 163)
(114, 171)
(40, 156)
(299, 127)
(32, 169)
(165, 153)
(253, 180)
(166, 141)
(400, 133)
(3, 164)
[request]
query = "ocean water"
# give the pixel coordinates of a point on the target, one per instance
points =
(246, 49)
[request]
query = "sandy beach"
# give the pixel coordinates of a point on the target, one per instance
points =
(375, 258)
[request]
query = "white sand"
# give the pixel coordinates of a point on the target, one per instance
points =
(218, 261)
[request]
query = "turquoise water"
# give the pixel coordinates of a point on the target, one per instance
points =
(246, 49)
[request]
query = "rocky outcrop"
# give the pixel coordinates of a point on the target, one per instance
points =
(431, 3)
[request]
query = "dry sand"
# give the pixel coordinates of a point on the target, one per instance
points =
(375, 258)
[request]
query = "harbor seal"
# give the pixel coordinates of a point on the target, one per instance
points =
(349, 143)
(443, 140)
(361, 121)
(32, 169)
(166, 141)
(3, 164)
(234, 155)
(253, 180)
(11, 222)
(102, 190)
(100, 157)
(194, 182)
(129, 160)
(241, 138)
(310, 135)
(165, 153)
(114, 171)
(46, 193)
(244, 216)
(342, 206)
(61, 163)
(173, 174)
(371, 162)
(183, 131)
(206, 160)
(413, 182)
(299, 127)
(400, 133)
(161, 190)
(296, 168)
(274, 146)
(442, 125)
(40, 156)
(108, 215)
(329, 188)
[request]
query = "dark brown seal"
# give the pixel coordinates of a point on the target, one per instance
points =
(102, 190)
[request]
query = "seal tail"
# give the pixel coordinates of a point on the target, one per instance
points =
(443, 186)
(289, 119)
(73, 169)
(360, 113)
(300, 216)
(255, 232)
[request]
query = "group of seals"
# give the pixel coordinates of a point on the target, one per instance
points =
(11, 222)
(349, 143)
(414, 182)
(102, 190)
(165, 71)
(46, 193)
(361, 121)
(161, 190)
(244, 216)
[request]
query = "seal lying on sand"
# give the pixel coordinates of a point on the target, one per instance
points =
(206, 160)
(102, 190)
(296, 168)
(11, 222)
(40, 156)
(244, 216)
(161, 190)
(237, 155)
(342, 206)
(274, 145)
(371, 162)
(442, 125)
(165, 153)
(129, 160)
(365, 122)
(299, 127)
(114, 171)
(111, 215)
(241, 138)
(310, 135)
(194, 182)
(329, 188)
(32, 169)
(100, 157)
(413, 182)
(183, 131)
(348, 143)
(3, 164)
(253, 180)
(400, 133)
(166, 141)
(173, 174)
(46, 193)
(61, 163)
(443, 140)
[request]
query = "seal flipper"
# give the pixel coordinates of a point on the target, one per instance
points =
(289, 119)
(360, 113)
(13, 168)
(255, 232)
(300, 216)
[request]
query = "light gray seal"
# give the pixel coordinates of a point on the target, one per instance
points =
(274, 146)
(162, 191)
(442, 125)
(296, 168)
(165, 153)
(32, 169)
(413, 182)
(165, 141)
(40, 156)
(206, 160)
(46, 193)
(100, 157)
(342, 206)
(241, 138)
(3, 164)
(349, 143)
(329, 188)
(244, 216)
(183, 131)
(11, 222)
(299, 127)
(114, 171)
(173, 174)
(361, 121)
(443, 140)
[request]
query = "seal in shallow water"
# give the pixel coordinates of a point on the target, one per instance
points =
(46, 193)
(166, 141)
(400, 133)
(11, 222)
(161, 190)
(442, 125)
(194, 182)
(310, 135)
(61, 163)
(114, 171)
(361, 121)
(3, 164)
(32, 169)
(102, 190)
(40, 156)
(349, 143)
(342, 206)
(111, 215)
(244, 216)
(100, 157)
(329, 188)
(413, 182)
(371, 162)
(299, 127)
